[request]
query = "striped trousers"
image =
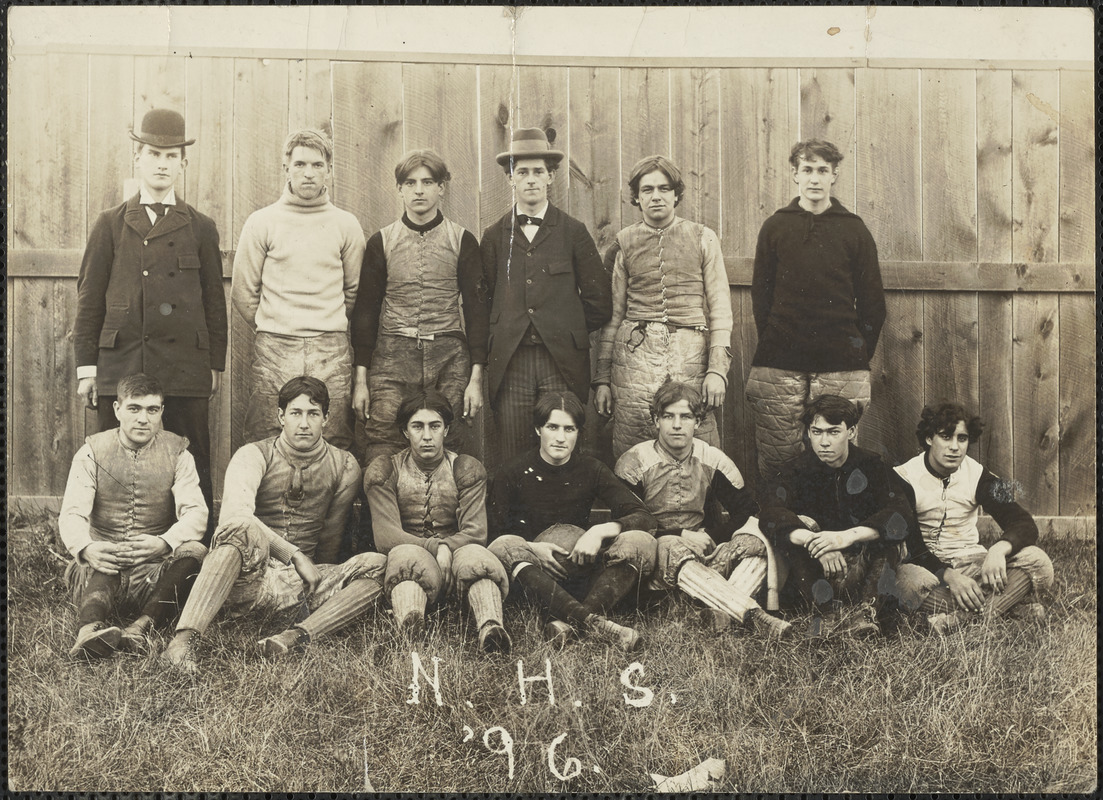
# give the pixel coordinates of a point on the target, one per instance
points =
(531, 373)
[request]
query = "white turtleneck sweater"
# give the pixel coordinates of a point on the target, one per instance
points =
(297, 267)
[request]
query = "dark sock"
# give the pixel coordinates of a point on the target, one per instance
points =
(543, 588)
(172, 590)
(611, 586)
(98, 598)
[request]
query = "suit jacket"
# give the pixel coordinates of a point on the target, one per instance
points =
(557, 283)
(150, 299)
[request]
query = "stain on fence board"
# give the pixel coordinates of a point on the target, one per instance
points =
(997, 381)
(994, 165)
(1036, 399)
(828, 111)
(596, 184)
(1036, 162)
(695, 141)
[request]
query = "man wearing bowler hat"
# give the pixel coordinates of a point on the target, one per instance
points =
(549, 291)
(150, 296)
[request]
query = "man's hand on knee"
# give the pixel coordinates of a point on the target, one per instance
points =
(993, 572)
(965, 591)
(103, 557)
(310, 574)
(545, 554)
(143, 548)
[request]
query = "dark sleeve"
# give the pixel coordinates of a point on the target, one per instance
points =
(762, 280)
(739, 503)
(775, 518)
(364, 324)
(918, 553)
(488, 251)
(870, 300)
(997, 497)
(892, 510)
(499, 505)
(214, 293)
(95, 273)
(594, 286)
(625, 507)
(473, 290)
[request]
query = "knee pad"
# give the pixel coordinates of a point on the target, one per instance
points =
(472, 563)
(368, 565)
(243, 536)
(510, 551)
(1034, 562)
(671, 554)
(190, 550)
(637, 548)
(408, 562)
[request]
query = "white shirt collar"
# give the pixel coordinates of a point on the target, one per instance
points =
(539, 214)
(145, 198)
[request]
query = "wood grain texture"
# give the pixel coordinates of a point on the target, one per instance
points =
(994, 165)
(898, 380)
(221, 409)
(596, 184)
(1036, 161)
(644, 120)
(1036, 399)
(210, 119)
(110, 149)
(951, 325)
(760, 125)
(367, 140)
(1076, 240)
(309, 95)
(996, 390)
(695, 142)
(889, 174)
(260, 107)
(739, 428)
(440, 112)
(238, 379)
(543, 104)
(1077, 379)
(828, 110)
(949, 165)
(498, 87)
(158, 83)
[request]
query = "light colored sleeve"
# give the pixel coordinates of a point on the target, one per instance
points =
(471, 513)
(718, 304)
(352, 257)
(604, 371)
(333, 527)
(239, 499)
(252, 250)
(73, 522)
(381, 488)
(191, 507)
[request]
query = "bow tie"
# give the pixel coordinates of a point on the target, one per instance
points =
(524, 219)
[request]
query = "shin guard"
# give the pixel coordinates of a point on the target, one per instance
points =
(211, 588)
(341, 609)
(1015, 590)
(408, 601)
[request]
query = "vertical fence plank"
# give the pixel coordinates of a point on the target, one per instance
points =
(1036, 161)
(498, 87)
(158, 83)
(110, 149)
(260, 127)
(1078, 322)
(1036, 400)
(309, 95)
(827, 111)
(645, 121)
(695, 141)
(596, 184)
(949, 231)
(760, 125)
(544, 105)
(210, 120)
(221, 411)
(996, 329)
(896, 372)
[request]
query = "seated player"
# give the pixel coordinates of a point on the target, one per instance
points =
(681, 480)
(540, 505)
(132, 518)
(948, 574)
(860, 516)
(284, 507)
(428, 509)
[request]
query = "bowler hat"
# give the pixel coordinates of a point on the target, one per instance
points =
(162, 127)
(529, 143)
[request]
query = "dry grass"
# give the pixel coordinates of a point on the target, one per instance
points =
(1009, 707)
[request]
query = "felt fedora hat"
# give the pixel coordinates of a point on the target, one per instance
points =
(162, 127)
(529, 143)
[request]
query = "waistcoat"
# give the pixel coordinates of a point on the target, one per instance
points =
(423, 295)
(947, 509)
(298, 516)
(134, 487)
(427, 503)
(665, 277)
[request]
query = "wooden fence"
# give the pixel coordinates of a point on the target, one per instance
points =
(977, 184)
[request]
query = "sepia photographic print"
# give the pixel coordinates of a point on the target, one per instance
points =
(225, 199)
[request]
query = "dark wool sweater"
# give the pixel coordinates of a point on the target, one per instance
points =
(528, 495)
(862, 492)
(816, 292)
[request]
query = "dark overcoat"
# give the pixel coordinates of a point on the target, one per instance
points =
(150, 299)
(557, 283)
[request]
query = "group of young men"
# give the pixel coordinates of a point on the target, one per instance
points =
(399, 329)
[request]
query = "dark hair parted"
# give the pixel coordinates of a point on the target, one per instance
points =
(416, 159)
(428, 399)
(304, 384)
(139, 385)
(943, 418)
(811, 148)
(650, 164)
(672, 392)
(833, 408)
(558, 401)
